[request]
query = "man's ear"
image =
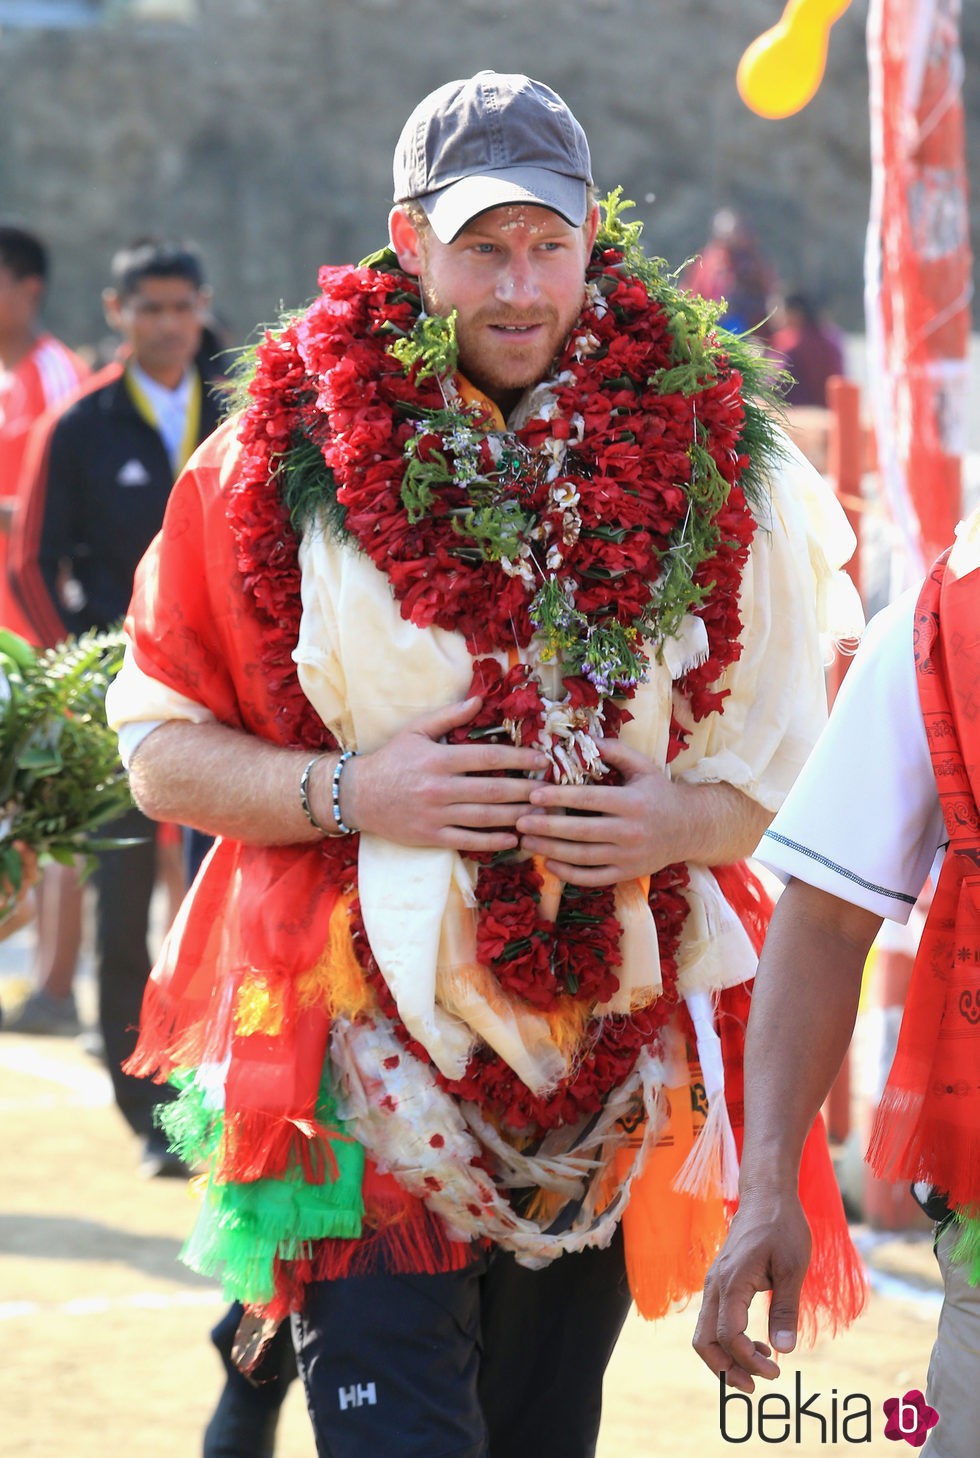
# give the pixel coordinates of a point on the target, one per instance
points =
(592, 226)
(405, 241)
(112, 309)
(33, 286)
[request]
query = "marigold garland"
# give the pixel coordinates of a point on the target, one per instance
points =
(593, 529)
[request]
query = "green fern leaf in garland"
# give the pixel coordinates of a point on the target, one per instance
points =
(61, 779)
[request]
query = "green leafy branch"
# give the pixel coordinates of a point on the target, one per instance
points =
(498, 528)
(702, 347)
(422, 479)
(61, 779)
(431, 347)
(608, 654)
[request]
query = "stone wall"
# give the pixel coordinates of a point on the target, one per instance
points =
(264, 129)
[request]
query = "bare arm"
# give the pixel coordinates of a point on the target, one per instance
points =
(803, 1010)
(414, 790)
(636, 828)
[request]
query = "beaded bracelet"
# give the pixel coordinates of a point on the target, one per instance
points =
(335, 792)
(304, 793)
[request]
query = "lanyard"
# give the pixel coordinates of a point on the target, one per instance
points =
(192, 423)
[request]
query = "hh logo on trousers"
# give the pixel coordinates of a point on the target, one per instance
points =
(359, 1394)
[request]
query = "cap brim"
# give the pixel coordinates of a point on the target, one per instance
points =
(452, 207)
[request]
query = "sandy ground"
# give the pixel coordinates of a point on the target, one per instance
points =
(104, 1347)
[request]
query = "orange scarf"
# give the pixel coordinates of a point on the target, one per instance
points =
(671, 1239)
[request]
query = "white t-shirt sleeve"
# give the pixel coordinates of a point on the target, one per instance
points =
(863, 820)
(136, 704)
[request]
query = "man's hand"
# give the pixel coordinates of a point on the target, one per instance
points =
(768, 1249)
(596, 835)
(417, 791)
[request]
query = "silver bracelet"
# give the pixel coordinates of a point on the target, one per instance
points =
(304, 794)
(335, 792)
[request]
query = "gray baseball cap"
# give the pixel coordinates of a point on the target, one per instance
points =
(489, 141)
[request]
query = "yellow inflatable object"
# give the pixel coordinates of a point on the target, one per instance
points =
(781, 71)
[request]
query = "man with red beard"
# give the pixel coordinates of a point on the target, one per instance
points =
(485, 641)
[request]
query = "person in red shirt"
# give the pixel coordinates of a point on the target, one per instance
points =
(99, 477)
(733, 268)
(37, 373)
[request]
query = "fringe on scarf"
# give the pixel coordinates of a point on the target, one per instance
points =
(256, 1144)
(399, 1237)
(909, 1141)
(893, 1135)
(154, 1055)
(266, 1239)
(192, 1128)
(247, 1145)
(337, 981)
(835, 1289)
(245, 1228)
(711, 1168)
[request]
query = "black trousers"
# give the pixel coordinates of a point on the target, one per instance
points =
(244, 1423)
(492, 1362)
(124, 881)
(547, 1339)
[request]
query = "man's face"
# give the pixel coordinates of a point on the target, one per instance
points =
(516, 277)
(20, 299)
(161, 321)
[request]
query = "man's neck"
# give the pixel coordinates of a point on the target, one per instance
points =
(506, 400)
(169, 379)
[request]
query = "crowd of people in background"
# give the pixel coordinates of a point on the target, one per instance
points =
(87, 459)
(37, 374)
(790, 325)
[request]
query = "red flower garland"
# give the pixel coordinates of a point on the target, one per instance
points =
(329, 378)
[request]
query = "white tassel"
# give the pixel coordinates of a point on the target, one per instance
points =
(687, 648)
(711, 1168)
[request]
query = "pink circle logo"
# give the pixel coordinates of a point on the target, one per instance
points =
(909, 1417)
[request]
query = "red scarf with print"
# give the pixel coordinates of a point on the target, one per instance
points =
(928, 1122)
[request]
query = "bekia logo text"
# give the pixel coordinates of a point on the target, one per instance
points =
(776, 1417)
